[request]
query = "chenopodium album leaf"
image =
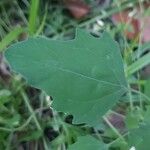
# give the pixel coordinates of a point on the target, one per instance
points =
(85, 76)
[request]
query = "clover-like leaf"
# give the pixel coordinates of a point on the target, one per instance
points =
(85, 76)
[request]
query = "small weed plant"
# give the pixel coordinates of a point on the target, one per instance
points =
(88, 81)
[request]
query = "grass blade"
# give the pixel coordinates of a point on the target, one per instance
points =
(33, 16)
(139, 64)
(13, 35)
(40, 29)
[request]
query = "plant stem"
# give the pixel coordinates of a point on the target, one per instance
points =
(34, 116)
(26, 100)
(139, 92)
(130, 98)
(113, 128)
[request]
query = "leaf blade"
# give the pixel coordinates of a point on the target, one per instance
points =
(81, 74)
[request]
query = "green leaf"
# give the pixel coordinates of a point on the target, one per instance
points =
(118, 144)
(139, 138)
(147, 115)
(4, 96)
(147, 88)
(33, 135)
(88, 143)
(10, 121)
(13, 35)
(134, 117)
(139, 64)
(141, 50)
(33, 16)
(85, 76)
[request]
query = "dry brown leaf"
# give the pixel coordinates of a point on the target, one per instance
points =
(77, 8)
